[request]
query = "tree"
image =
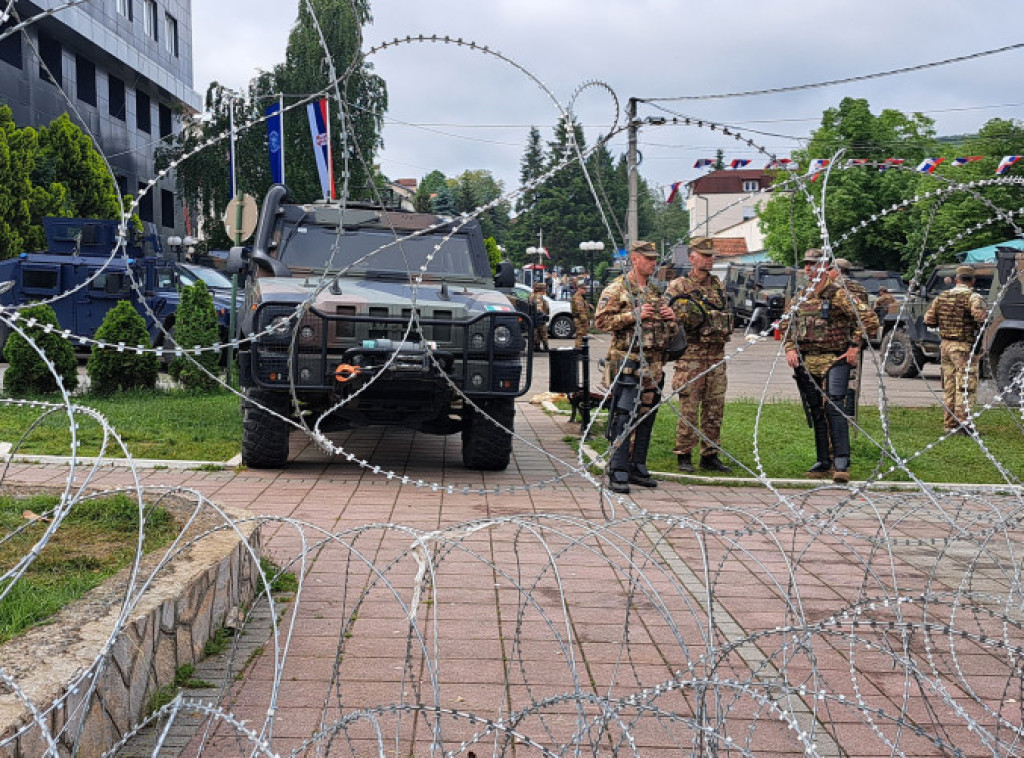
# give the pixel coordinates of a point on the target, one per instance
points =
(67, 156)
(111, 370)
(493, 253)
(431, 184)
(27, 371)
(195, 326)
(671, 220)
(443, 203)
(474, 190)
(531, 166)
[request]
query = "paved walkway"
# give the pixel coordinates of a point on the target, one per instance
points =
(479, 613)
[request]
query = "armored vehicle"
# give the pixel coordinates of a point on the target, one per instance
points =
(758, 292)
(911, 343)
(376, 317)
(78, 273)
(1003, 340)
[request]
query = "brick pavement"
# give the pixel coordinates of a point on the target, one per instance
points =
(690, 619)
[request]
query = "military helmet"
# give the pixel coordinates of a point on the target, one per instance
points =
(964, 272)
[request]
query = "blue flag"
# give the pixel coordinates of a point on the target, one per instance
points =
(275, 143)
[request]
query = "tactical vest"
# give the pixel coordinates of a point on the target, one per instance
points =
(707, 317)
(817, 329)
(655, 333)
(953, 312)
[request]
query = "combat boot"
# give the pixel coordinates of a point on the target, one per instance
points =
(618, 481)
(685, 464)
(842, 472)
(712, 463)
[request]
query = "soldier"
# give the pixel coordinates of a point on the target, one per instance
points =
(702, 310)
(821, 349)
(634, 366)
(582, 311)
(883, 302)
(959, 314)
(539, 310)
(867, 320)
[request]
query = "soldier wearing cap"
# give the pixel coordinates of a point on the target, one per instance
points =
(702, 311)
(821, 349)
(867, 320)
(539, 309)
(958, 313)
(883, 302)
(581, 310)
(633, 309)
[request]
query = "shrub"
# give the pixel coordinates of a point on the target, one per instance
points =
(27, 372)
(111, 370)
(195, 324)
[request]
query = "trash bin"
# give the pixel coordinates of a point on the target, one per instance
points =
(563, 370)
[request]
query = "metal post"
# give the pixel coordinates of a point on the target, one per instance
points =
(632, 222)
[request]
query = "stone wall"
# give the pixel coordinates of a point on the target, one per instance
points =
(89, 685)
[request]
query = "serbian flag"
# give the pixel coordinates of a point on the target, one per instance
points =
(890, 162)
(850, 163)
(1006, 162)
(928, 165)
(275, 143)
(816, 166)
(966, 160)
(673, 191)
(779, 163)
(739, 162)
(318, 120)
(703, 163)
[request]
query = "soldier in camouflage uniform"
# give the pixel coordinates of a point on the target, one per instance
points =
(702, 310)
(868, 323)
(539, 310)
(821, 347)
(582, 312)
(883, 303)
(959, 314)
(633, 309)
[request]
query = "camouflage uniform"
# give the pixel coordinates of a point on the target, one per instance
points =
(883, 303)
(958, 313)
(634, 371)
(821, 330)
(868, 323)
(700, 375)
(582, 312)
(539, 309)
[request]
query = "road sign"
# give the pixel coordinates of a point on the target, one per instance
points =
(240, 218)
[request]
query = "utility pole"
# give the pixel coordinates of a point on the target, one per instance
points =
(631, 171)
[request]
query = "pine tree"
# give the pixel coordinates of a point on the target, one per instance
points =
(27, 372)
(111, 370)
(195, 326)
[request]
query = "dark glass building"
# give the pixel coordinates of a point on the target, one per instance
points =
(122, 70)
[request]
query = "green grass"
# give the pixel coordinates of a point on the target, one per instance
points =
(96, 540)
(172, 425)
(786, 445)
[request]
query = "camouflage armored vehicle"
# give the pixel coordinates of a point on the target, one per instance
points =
(758, 292)
(909, 341)
(329, 304)
(1003, 341)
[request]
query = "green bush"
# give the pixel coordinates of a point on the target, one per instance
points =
(195, 324)
(27, 372)
(111, 370)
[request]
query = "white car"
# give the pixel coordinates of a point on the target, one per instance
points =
(560, 324)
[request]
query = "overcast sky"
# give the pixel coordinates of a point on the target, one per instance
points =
(455, 109)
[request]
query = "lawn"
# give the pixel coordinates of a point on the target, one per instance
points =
(172, 425)
(785, 444)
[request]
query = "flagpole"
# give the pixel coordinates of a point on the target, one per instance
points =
(280, 110)
(330, 150)
(231, 129)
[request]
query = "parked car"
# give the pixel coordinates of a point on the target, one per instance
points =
(560, 324)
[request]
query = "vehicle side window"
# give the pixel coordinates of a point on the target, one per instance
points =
(40, 280)
(165, 280)
(109, 283)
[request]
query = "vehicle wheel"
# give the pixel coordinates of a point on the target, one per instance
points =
(487, 447)
(561, 327)
(264, 435)
(1010, 369)
(904, 358)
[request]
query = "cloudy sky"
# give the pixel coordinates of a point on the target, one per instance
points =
(455, 109)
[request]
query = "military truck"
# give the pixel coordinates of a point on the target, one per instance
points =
(1003, 340)
(909, 341)
(83, 280)
(758, 292)
(329, 312)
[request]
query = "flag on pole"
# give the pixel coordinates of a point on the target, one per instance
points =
(673, 191)
(928, 165)
(703, 163)
(816, 166)
(317, 112)
(786, 163)
(851, 162)
(739, 162)
(890, 162)
(966, 160)
(1006, 162)
(275, 146)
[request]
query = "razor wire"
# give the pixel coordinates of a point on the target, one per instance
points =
(886, 622)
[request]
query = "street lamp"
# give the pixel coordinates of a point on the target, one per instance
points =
(174, 242)
(590, 247)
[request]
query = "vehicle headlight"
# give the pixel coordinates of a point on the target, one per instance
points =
(502, 336)
(307, 332)
(477, 380)
(477, 342)
(279, 325)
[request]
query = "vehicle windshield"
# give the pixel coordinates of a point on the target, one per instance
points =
(374, 252)
(894, 284)
(982, 285)
(775, 281)
(211, 277)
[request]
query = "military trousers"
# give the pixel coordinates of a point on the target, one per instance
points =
(959, 382)
(700, 381)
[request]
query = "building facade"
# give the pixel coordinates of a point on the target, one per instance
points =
(122, 70)
(725, 205)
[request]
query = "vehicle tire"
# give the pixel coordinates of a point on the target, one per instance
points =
(561, 327)
(486, 447)
(264, 435)
(1011, 366)
(904, 358)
